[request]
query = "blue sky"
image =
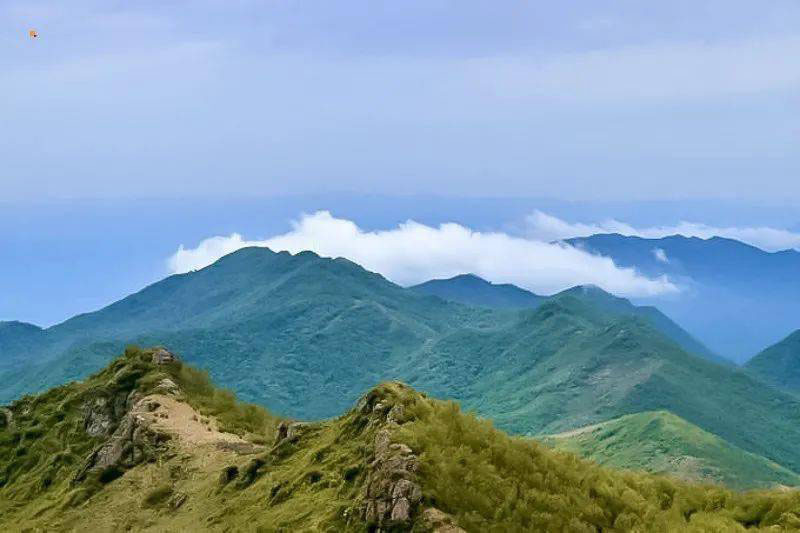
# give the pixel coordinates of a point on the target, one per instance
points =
(131, 128)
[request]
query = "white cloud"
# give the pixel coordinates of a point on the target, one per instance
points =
(413, 252)
(546, 227)
(660, 255)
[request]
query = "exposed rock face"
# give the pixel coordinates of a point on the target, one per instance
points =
(392, 493)
(162, 356)
(102, 413)
(290, 431)
(133, 441)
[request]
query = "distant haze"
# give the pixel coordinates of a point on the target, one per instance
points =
(592, 100)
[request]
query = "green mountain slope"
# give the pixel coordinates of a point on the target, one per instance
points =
(471, 290)
(152, 446)
(18, 339)
(663, 443)
(306, 336)
(564, 366)
(780, 363)
(614, 305)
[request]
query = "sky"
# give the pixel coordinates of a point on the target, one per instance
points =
(138, 139)
(617, 100)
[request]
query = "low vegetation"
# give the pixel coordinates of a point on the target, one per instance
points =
(337, 475)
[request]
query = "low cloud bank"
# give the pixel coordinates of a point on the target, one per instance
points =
(544, 227)
(413, 252)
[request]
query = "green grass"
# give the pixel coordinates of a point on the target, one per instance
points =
(661, 442)
(485, 479)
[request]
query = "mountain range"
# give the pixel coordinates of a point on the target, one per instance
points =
(735, 298)
(306, 336)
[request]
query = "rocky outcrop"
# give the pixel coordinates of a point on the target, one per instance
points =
(392, 493)
(102, 413)
(162, 356)
(133, 441)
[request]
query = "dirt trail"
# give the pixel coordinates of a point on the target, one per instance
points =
(177, 418)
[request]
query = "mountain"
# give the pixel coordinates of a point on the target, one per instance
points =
(735, 298)
(780, 363)
(272, 325)
(472, 290)
(616, 306)
(149, 444)
(662, 443)
(305, 336)
(17, 339)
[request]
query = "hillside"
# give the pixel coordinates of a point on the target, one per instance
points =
(16, 340)
(735, 298)
(472, 290)
(780, 363)
(306, 336)
(564, 366)
(662, 443)
(271, 325)
(611, 305)
(148, 445)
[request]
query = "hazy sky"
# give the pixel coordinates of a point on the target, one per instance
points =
(612, 100)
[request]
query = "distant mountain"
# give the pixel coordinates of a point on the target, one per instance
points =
(18, 339)
(611, 305)
(305, 336)
(735, 298)
(473, 290)
(470, 289)
(662, 443)
(780, 363)
(150, 444)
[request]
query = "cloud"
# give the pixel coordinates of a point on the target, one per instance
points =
(546, 227)
(660, 255)
(413, 252)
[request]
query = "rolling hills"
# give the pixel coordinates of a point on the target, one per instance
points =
(149, 444)
(663, 443)
(305, 336)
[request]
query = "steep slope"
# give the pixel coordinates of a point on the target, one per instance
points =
(472, 290)
(143, 446)
(663, 443)
(615, 306)
(736, 298)
(780, 363)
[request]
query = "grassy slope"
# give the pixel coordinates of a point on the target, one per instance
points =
(559, 368)
(780, 363)
(661, 442)
(483, 478)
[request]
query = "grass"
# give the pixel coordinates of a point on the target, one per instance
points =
(663, 443)
(485, 479)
